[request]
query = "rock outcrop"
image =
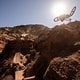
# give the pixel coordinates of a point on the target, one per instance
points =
(64, 68)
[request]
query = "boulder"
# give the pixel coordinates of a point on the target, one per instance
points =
(63, 68)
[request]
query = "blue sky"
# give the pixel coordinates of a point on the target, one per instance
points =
(22, 12)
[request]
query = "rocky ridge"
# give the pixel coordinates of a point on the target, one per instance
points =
(51, 54)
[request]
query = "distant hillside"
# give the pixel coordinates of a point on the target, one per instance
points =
(22, 32)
